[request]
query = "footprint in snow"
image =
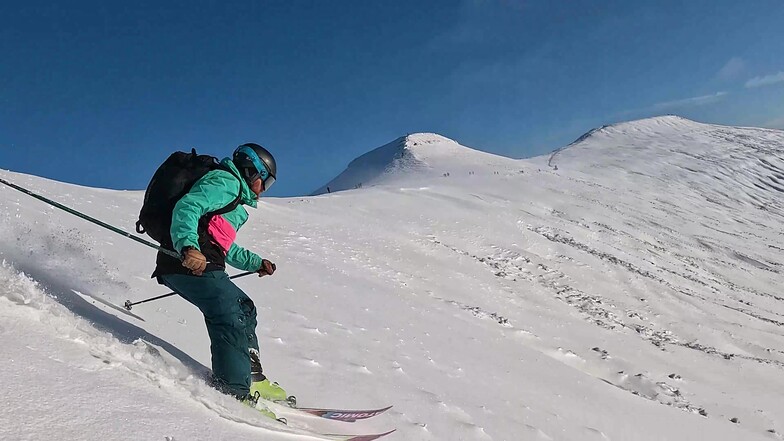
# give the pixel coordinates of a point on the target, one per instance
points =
(535, 433)
(479, 431)
(522, 333)
(398, 368)
(567, 355)
(361, 369)
(314, 331)
(297, 315)
(594, 434)
(602, 353)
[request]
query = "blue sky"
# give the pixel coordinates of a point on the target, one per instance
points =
(99, 93)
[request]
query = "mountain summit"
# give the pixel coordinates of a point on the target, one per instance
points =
(417, 154)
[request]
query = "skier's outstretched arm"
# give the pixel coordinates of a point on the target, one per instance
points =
(243, 259)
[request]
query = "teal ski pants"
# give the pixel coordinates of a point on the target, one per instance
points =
(230, 316)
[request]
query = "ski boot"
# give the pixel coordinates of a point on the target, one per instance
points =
(252, 401)
(261, 387)
(272, 392)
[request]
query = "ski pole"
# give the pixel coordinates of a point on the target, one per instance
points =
(129, 304)
(93, 220)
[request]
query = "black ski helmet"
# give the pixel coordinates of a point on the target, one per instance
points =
(255, 162)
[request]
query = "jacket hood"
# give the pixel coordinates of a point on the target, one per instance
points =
(248, 197)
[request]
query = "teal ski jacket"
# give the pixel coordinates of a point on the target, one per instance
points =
(214, 191)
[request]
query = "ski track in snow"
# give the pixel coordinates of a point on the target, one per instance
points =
(629, 294)
(114, 366)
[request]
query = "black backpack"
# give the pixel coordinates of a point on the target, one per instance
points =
(173, 180)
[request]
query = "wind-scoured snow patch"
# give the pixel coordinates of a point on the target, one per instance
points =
(725, 166)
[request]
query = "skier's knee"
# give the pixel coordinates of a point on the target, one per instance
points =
(248, 308)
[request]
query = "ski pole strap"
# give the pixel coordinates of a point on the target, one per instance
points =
(91, 219)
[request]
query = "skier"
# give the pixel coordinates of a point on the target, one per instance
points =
(206, 245)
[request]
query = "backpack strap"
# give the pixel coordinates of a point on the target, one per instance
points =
(233, 204)
(205, 220)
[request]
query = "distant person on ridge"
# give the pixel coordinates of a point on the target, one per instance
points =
(207, 245)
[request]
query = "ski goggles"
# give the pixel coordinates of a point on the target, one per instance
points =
(267, 179)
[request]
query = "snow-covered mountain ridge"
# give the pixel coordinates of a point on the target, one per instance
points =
(743, 165)
(617, 297)
(418, 155)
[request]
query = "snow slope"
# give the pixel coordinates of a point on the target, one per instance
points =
(631, 294)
